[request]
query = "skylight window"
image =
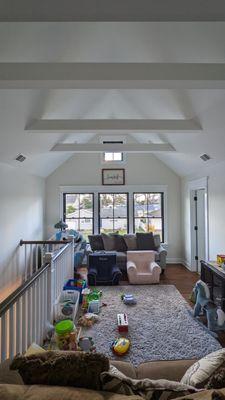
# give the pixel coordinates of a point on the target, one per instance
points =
(118, 156)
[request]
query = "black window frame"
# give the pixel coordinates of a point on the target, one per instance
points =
(99, 213)
(93, 208)
(162, 212)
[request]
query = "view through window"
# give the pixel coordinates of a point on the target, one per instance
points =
(148, 213)
(113, 212)
(78, 212)
(113, 156)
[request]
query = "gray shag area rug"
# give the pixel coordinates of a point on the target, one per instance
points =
(161, 325)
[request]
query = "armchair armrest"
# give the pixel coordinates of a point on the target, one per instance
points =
(92, 271)
(161, 250)
(131, 267)
(153, 267)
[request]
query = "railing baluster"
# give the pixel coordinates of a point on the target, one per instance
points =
(31, 259)
(34, 313)
(3, 337)
(36, 257)
(29, 316)
(11, 333)
(24, 322)
(18, 326)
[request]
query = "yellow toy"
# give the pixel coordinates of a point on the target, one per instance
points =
(121, 346)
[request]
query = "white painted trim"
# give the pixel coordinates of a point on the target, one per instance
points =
(130, 189)
(196, 184)
(186, 265)
(174, 260)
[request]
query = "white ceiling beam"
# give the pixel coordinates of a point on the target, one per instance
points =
(96, 125)
(108, 10)
(99, 148)
(112, 76)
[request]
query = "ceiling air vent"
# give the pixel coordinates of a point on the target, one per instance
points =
(112, 142)
(205, 157)
(20, 158)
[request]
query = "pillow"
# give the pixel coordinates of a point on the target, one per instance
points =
(62, 368)
(131, 241)
(199, 374)
(96, 242)
(145, 241)
(161, 389)
(120, 244)
(109, 242)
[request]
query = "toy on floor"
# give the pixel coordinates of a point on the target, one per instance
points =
(128, 299)
(122, 322)
(94, 306)
(215, 317)
(120, 346)
(66, 335)
(202, 296)
(87, 320)
(86, 344)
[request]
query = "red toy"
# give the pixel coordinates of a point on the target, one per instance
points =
(122, 322)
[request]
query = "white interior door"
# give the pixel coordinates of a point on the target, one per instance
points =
(198, 227)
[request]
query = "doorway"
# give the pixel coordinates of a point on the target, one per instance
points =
(198, 228)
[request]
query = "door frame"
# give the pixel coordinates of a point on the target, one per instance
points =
(196, 185)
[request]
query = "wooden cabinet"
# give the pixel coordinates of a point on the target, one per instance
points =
(214, 276)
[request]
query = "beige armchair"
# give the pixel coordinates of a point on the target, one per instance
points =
(142, 268)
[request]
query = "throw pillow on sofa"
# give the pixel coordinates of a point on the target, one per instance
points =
(200, 373)
(62, 368)
(145, 241)
(109, 242)
(96, 242)
(120, 244)
(131, 241)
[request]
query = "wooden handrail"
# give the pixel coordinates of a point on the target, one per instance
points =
(44, 241)
(12, 298)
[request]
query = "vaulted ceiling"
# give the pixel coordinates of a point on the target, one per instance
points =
(112, 71)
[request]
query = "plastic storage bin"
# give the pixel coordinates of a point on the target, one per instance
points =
(66, 306)
(76, 284)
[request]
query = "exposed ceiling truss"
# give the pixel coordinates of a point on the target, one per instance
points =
(112, 75)
(96, 125)
(98, 148)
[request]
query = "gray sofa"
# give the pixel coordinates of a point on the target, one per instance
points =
(120, 244)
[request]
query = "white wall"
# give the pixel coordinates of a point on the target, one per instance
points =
(85, 170)
(22, 202)
(216, 210)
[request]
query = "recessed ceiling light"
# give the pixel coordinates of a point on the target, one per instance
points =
(20, 158)
(205, 157)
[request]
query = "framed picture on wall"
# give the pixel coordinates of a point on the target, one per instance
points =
(114, 176)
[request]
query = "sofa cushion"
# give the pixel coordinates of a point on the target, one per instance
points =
(125, 367)
(161, 389)
(145, 241)
(199, 373)
(131, 241)
(63, 368)
(8, 376)
(38, 392)
(120, 244)
(96, 242)
(171, 370)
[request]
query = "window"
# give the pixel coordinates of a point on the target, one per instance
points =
(107, 157)
(78, 212)
(113, 212)
(148, 213)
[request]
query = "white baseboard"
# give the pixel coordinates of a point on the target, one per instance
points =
(186, 265)
(174, 260)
